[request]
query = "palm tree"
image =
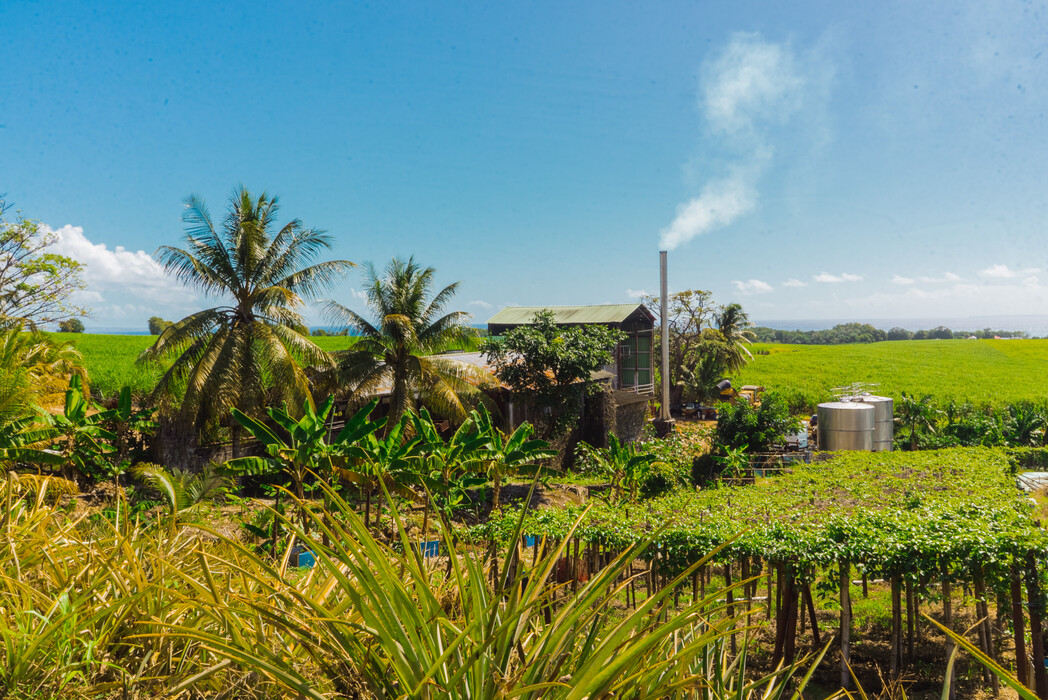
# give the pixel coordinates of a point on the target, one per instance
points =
(399, 351)
(250, 351)
(734, 323)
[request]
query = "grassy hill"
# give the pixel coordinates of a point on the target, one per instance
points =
(981, 371)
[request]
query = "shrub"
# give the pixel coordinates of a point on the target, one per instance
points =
(757, 428)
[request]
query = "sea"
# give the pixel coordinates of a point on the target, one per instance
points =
(1034, 325)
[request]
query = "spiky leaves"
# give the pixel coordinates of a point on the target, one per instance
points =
(250, 352)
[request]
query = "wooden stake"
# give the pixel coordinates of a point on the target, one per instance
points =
(947, 621)
(896, 658)
(846, 624)
(1022, 664)
(1035, 601)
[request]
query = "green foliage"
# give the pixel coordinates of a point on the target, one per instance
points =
(250, 351)
(79, 435)
(408, 629)
(183, 490)
(897, 513)
(157, 325)
(35, 285)
(71, 325)
(756, 428)
(993, 372)
(707, 341)
(547, 366)
(399, 350)
(505, 455)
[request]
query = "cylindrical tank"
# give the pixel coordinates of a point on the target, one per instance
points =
(846, 425)
(883, 423)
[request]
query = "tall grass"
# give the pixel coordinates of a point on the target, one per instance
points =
(103, 607)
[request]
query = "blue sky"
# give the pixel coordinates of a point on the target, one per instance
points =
(807, 159)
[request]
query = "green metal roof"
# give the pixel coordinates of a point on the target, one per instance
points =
(601, 313)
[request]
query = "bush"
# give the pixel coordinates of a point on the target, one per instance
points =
(72, 325)
(756, 428)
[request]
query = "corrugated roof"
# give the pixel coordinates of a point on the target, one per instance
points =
(600, 313)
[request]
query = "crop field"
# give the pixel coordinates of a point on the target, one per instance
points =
(110, 359)
(995, 372)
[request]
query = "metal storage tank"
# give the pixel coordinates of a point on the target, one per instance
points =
(846, 425)
(883, 423)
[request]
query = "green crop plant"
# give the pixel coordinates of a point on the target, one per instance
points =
(384, 618)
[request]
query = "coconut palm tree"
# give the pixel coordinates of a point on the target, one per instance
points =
(250, 351)
(398, 352)
(733, 323)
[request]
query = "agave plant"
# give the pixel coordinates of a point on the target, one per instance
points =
(403, 628)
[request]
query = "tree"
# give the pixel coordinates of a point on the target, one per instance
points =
(505, 455)
(917, 416)
(733, 324)
(707, 341)
(72, 325)
(34, 371)
(547, 366)
(35, 285)
(157, 325)
(398, 352)
(249, 352)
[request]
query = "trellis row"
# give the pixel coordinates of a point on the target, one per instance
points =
(912, 519)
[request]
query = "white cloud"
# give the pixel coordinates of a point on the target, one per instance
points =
(794, 282)
(899, 279)
(835, 279)
(480, 304)
(1005, 272)
(947, 277)
(752, 287)
(636, 293)
(124, 287)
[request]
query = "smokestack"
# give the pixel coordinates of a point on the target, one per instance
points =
(664, 413)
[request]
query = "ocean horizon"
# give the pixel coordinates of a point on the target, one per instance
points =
(1034, 325)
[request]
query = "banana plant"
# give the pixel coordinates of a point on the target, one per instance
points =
(505, 455)
(627, 468)
(448, 469)
(374, 461)
(306, 449)
(78, 433)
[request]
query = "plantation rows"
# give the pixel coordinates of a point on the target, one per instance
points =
(948, 518)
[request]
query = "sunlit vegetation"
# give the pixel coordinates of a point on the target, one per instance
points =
(997, 372)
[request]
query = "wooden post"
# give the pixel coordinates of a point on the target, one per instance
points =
(985, 633)
(792, 595)
(1022, 664)
(770, 601)
(947, 621)
(910, 616)
(811, 614)
(731, 603)
(846, 624)
(1036, 606)
(896, 666)
(780, 617)
(865, 585)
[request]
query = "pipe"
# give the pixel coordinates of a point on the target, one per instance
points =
(664, 412)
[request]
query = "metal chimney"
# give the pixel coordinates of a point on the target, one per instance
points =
(664, 413)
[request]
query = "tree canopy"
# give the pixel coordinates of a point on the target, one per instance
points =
(250, 351)
(545, 365)
(36, 285)
(398, 349)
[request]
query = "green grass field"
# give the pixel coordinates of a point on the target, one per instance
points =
(981, 371)
(110, 359)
